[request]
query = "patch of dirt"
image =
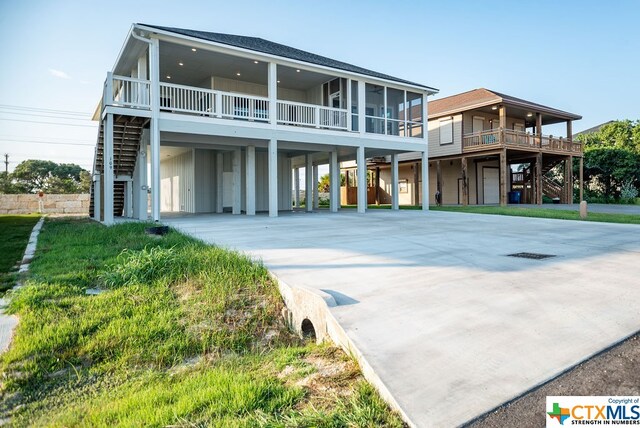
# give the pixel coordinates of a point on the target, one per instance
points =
(326, 374)
(614, 372)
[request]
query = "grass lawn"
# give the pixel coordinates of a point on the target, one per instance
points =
(14, 236)
(523, 212)
(183, 334)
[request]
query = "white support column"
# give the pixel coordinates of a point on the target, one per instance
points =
(219, 181)
(361, 107)
(272, 77)
(395, 188)
(237, 181)
(128, 192)
(250, 180)
(425, 181)
(142, 74)
(108, 170)
(334, 182)
(140, 184)
(308, 183)
(316, 196)
(349, 102)
(296, 184)
(154, 71)
(97, 196)
(362, 180)
(273, 177)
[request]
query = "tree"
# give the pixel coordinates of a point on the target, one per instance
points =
(612, 158)
(32, 176)
(609, 168)
(6, 183)
(324, 184)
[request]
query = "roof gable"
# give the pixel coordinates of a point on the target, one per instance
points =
(265, 46)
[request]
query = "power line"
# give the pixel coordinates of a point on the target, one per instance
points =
(51, 123)
(48, 142)
(46, 110)
(47, 138)
(86, 118)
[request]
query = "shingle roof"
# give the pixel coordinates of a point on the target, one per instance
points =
(265, 46)
(592, 129)
(481, 97)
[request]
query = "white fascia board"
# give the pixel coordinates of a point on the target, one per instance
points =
(122, 49)
(248, 53)
(222, 128)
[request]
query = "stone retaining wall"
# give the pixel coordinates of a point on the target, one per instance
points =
(48, 204)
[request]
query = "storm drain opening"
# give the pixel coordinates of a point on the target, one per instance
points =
(308, 332)
(533, 256)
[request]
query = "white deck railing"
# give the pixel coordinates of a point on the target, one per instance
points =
(301, 114)
(127, 92)
(130, 92)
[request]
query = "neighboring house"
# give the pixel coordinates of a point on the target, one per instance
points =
(475, 139)
(591, 130)
(219, 122)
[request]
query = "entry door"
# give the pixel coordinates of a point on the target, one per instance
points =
(478, 124)
(491, 185)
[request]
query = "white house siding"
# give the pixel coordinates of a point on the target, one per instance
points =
(312, 96)
(435, 148)
(177, 180)
(205, 181)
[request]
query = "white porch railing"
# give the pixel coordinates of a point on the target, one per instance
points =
(186, 99)
(127, 92)
(293, 113)
(243, 107)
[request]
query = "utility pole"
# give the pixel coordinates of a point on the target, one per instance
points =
(6, 163)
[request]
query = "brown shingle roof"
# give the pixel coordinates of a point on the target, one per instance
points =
(482, 97)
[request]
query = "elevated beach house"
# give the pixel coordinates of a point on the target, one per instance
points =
(200, 122)
(486, 147)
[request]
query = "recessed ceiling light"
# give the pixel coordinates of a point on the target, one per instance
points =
(168, 77)
(237, 74)
(494, 108)
(529, 114)
(297, 71)
(278, 81)
(194, 49)
(180, 64)
(255, 62)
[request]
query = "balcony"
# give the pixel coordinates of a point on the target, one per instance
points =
(121, 91)
(506, 138)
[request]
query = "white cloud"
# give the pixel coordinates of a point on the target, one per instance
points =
(59, 74)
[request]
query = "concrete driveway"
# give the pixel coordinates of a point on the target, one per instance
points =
(452, 325)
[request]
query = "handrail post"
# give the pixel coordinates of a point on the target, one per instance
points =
(317, 116)
(217, 107)
(108, 99)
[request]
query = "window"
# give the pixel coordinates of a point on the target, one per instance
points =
(375, 109)
(446, 131)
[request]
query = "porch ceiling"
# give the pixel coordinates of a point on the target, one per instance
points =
(200, 65)
(521, 113)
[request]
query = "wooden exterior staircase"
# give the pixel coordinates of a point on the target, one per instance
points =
(127, 131)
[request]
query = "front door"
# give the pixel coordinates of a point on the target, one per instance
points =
(491, 185)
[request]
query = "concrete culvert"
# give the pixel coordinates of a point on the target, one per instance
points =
(308, 331)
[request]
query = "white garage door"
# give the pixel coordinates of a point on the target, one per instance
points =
(491, 185)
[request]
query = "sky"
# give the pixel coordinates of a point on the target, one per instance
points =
(578, 56)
